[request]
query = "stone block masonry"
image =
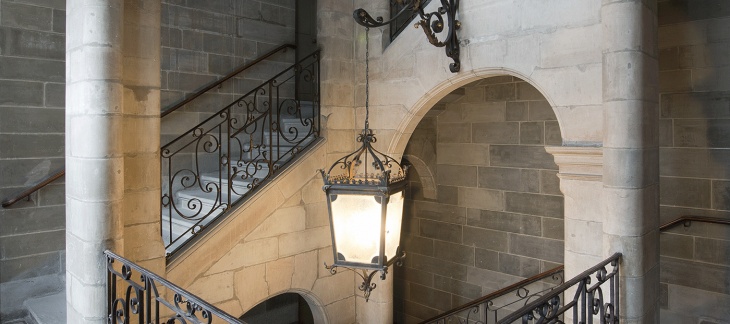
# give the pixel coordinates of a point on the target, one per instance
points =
(32, 77)
(497, 215)
(204, 40)
(694, 168)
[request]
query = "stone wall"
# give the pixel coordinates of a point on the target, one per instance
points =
(484, 208)
(694, 59)
(32, 76)
(204, 40)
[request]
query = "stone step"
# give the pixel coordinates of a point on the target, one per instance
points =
(47, 310)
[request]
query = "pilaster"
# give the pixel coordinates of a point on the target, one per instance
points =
(581, 174)
(631, 159)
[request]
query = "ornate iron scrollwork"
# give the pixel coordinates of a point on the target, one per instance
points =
(133, 297)
(226, 157)
(432, 23)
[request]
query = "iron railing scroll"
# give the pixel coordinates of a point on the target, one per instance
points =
(492, 307)
(595, 299)
(137, 295)
(228, 156)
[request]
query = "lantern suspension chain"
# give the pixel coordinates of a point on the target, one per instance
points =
(367, 79)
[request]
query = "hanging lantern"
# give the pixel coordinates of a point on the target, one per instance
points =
(365, 196)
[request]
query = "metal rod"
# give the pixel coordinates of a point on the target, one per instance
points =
(692, 218)
(27, 192)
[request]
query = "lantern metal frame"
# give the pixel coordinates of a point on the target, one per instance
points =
(380, 184)
(431, 23)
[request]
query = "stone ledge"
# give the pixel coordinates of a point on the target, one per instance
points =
(578, 163)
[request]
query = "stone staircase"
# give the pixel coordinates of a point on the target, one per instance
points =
(49, 309)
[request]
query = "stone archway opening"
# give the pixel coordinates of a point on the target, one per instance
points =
(490, 211)
(285, 308)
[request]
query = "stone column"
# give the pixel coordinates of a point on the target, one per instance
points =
(94, 152)
(112, 145)
(631, 163)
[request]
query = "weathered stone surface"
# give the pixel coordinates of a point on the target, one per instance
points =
(532, 133)
(685, 273)
(458, 288)
(440, 212)
(685, 192)
(456, 175)
(496, 133)
(534, 204)
(452, 252)
(521, 157)
(486, 259)
(509, 179)
(712, 251)
(462, 154)
(486, 239)
(481, 198)
(286, 220)
(504, 222)
(520, 266)
(430, 297)
(536, 247)
(676, 246)
(454, 133)
(247, 254)
(440, 231)
(437, 266)
(517, 111)
(29, 244)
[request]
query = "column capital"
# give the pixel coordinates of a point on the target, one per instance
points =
(578, 162)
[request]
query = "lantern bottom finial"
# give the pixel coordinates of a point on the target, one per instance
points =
(367, 285)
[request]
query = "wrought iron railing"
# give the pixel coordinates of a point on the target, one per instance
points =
(137, 295)
(225, 158)
(490, 308)
(589, 303)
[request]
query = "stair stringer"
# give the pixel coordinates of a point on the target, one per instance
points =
(275, 242)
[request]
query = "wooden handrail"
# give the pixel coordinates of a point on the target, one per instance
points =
(29, 191)
(496, 294)
(691, 218)
(225, 78)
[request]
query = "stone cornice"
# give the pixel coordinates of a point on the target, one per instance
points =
(577, 162)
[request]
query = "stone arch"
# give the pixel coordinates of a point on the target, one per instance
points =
(428, 180)
(510, 200)
(432, 96)
(316, 306)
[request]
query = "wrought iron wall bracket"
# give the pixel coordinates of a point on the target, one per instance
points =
(432, 23)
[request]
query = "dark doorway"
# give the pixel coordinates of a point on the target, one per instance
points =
(289, 308)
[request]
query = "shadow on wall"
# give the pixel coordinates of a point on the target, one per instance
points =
(694, 61)
(493, 212)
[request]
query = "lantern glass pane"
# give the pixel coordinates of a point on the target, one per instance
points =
(393, 224)
(356, 220)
